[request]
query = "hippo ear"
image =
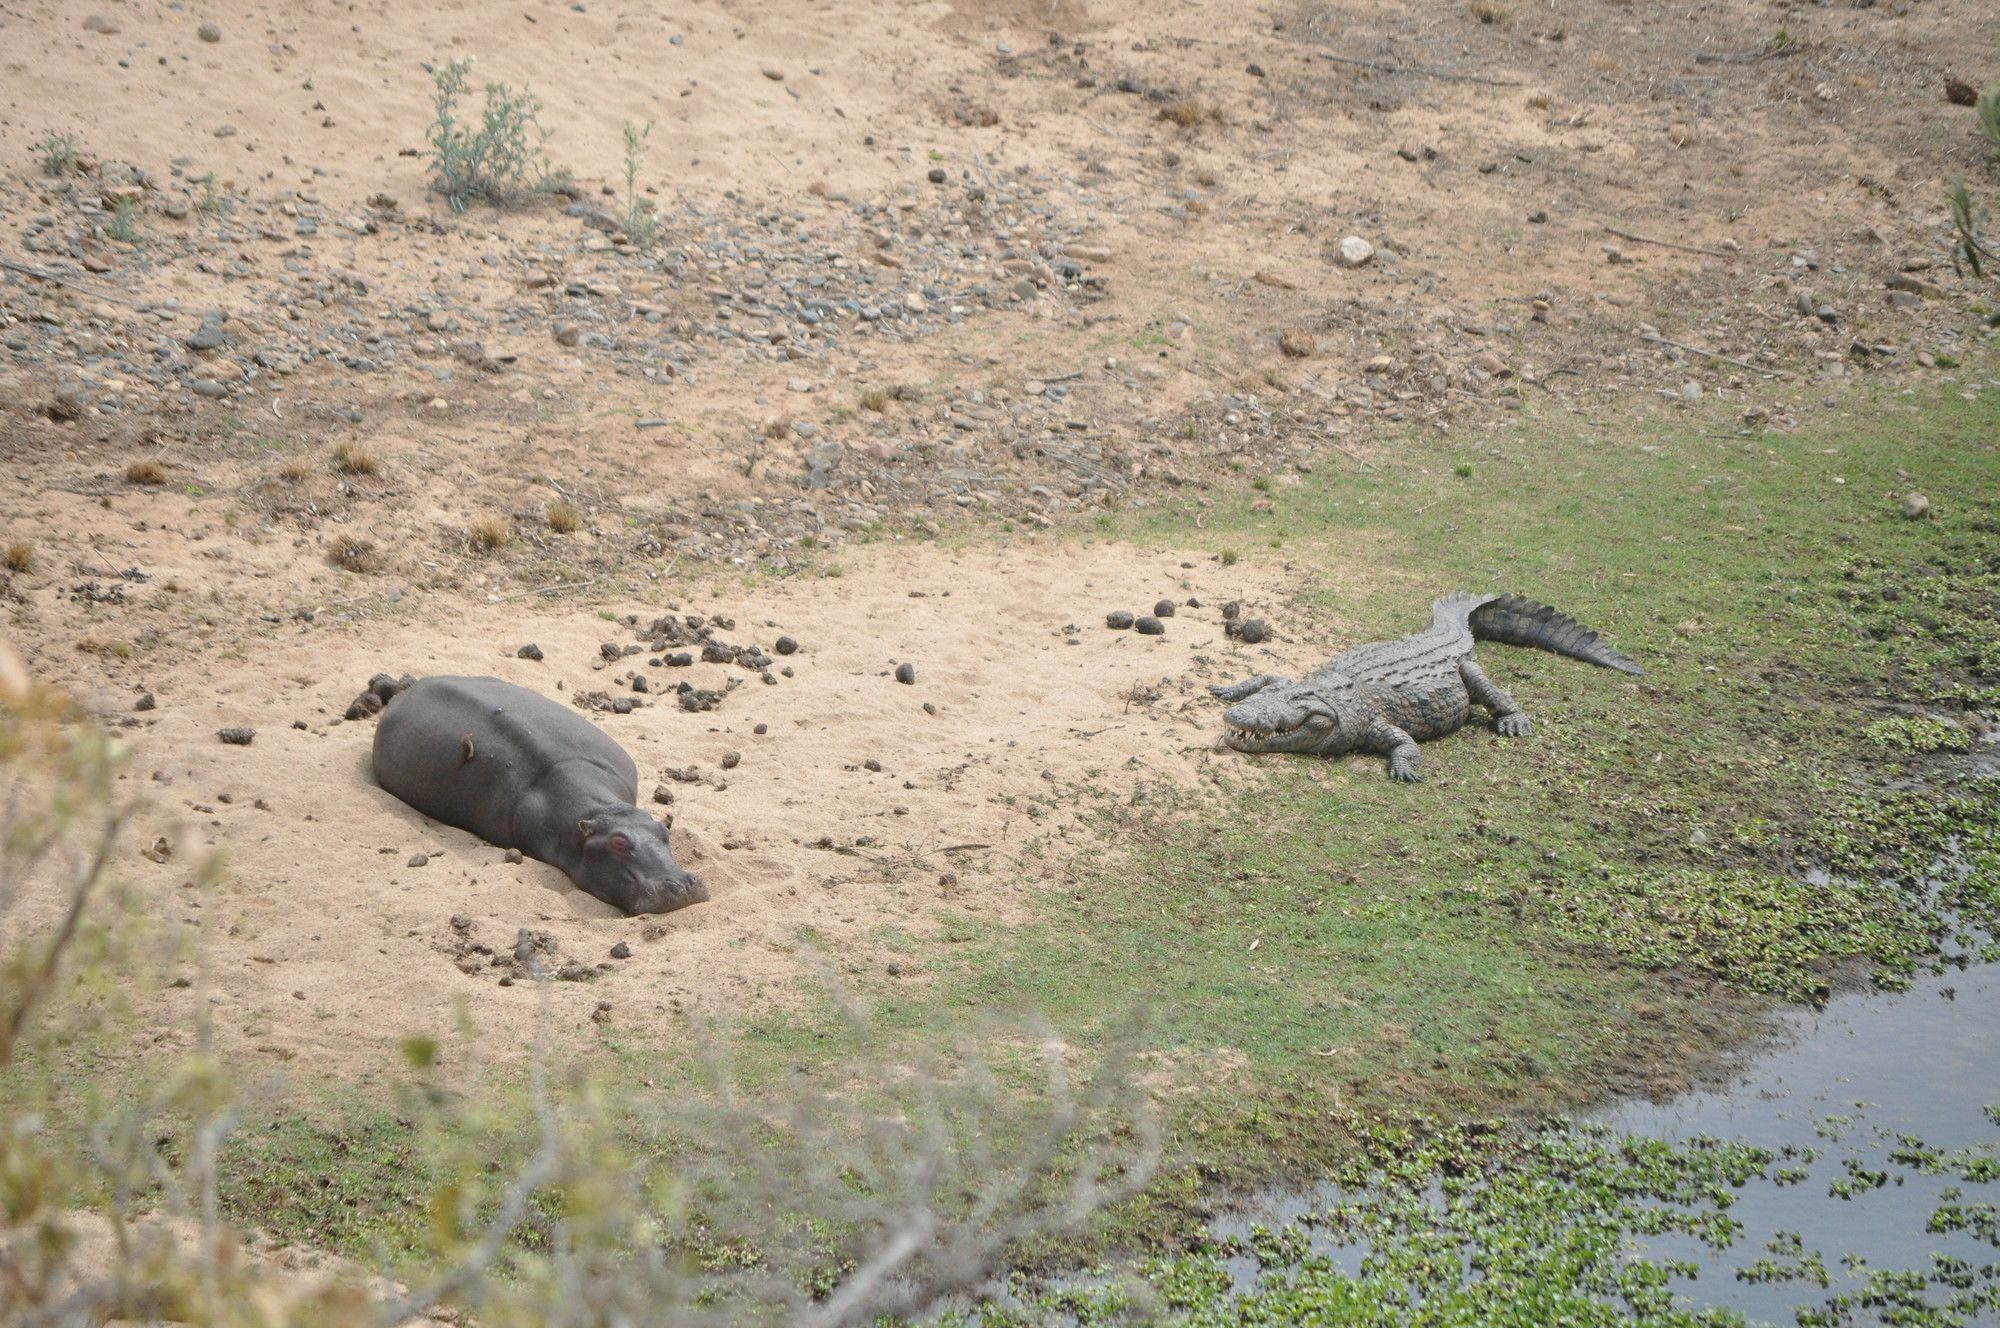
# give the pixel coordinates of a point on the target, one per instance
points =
(588, 827)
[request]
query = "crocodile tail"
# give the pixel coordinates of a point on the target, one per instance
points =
(1516, 620)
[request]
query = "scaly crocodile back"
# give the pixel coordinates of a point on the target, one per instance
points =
(1516, 620)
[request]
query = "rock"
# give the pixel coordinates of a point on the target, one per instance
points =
(1902, 299)
(209, 32)
(936, 175)
(1119, 619)
(906, 674)
(66, 403)
(102, 23)
(730, 760)
(237, 737)
(209, 335)
(1956, 90)
(513, 855)
(773, 73)
(1164, 609)
(207, 387)
(621, 951)
(1916, 507)
(568, 334)
(1353, 251)
(1250, 631)
(145, 702)
(786, 646)
(529, 651)
(1690, 390)
(1828, 315)
(761, 730)
(418, 860)
(1150, 626)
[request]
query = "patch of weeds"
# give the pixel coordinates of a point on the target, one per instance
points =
(1490, 13)
(1918, 735)
(145, 472)
(355, 459)
(489, 532)
(20, 556)
(564, 518)
(1187, 113)
(641, 226)
(875, 399)
(124, 224)
(1227, 557)
(499, 158)
(294, 470)
(58, 153)
(1463, 470)
(211, 199)
(351, 553)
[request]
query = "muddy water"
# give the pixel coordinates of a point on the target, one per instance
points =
(1852, 1078)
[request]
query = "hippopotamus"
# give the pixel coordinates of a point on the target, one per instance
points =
(521, 771)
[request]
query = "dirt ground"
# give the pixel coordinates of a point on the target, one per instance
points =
(275, 418)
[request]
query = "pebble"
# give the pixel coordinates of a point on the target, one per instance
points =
(621, 951)
(529, 651)
(1150, 626)
(512, 855)
(1252, 631)
(730, 760)
(937, 175)
(209, 32)
(1164, 609)
(786, 646)
(418, 860)
(1916, 507)
(1119, 619)
(237, 737)
(906, 673)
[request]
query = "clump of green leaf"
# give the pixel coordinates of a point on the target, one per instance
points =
(1965, 220)
(497, 159)
(641, 226)
(211, 199)
(124, 223)
(1918, 734)
(1988, 111)
(58, 153)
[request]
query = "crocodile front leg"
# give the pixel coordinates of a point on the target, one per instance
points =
(1398, 746)
(1236, 691)
(1508, 717)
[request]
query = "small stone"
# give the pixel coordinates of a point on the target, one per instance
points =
(786, 646)
(1150, 626)
(512, 855)
(1164, 609)
(237, 737)
(1828, 315)
(1119, 620)
(761, 730)
(1354, 251)
(1916, 507)
(568, 334)
(773, 73)
(529, 651)
(102, 23)
(936, 175)
(730, 760)
(1690, 390)
(1252, 631)
(209, 32)
(145, 702)
(621, 951)
(906, 673)
(663, 795)
(418, 860)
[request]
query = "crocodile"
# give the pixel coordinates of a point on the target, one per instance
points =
(1387, 696)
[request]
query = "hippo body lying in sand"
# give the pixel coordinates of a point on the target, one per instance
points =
(521, 771)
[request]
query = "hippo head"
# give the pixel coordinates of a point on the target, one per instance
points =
(627, 864)
(1303, 717)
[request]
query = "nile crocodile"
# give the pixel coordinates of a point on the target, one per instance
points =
(1388, 696)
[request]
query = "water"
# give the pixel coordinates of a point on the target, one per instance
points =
(1871, 1066)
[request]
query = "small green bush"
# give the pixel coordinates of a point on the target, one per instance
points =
(499, 159)
(641, 226)
(58, 153)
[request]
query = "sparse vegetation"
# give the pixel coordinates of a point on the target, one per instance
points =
(58, 153)
(1188, 113)
(1491, 13)
(564, 518)
(641, 226)
(490, 532)
(1988, 112)
(351, 553)
(294, 470)
(875, 399)
(355, 459)
(497, 160)
(211, 199)
(145, 472)
(20, 556)
(124, 224)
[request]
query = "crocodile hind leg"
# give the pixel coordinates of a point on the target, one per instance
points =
(1508, 717)
(1236, 691)
(1398, 746)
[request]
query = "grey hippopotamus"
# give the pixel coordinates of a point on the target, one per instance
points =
(521, 771)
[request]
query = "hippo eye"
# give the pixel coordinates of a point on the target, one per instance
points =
(619, 844)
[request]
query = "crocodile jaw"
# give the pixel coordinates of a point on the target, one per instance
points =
(1255, 729)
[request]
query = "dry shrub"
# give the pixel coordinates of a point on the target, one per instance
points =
(145, 472)
(1297, 343)
(1491, 13)
(875, 399)
(1187, 113)
(490, 532)
(355, 459)
(294, 470)
(564, 519)
(20, 556)
(351, 553)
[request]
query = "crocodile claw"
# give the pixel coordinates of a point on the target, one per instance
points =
(1405, 776)
(1514, 726)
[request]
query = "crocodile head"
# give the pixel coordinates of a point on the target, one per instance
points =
(1304, 717)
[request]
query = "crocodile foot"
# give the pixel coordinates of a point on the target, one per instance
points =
(1514, 726)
